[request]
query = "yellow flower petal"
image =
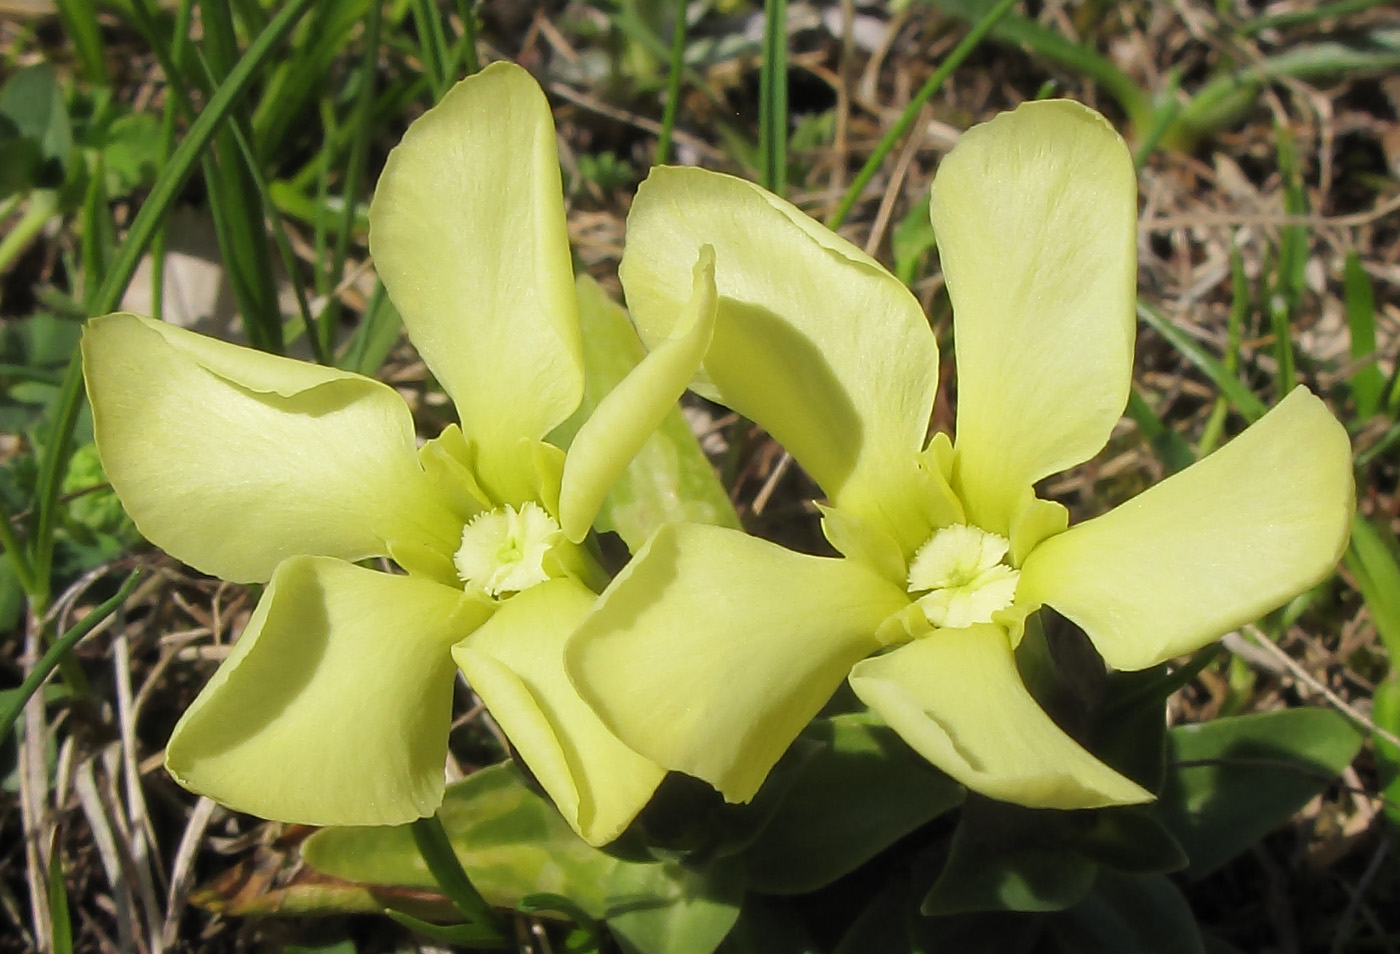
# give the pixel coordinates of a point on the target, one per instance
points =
(468, 234)
(1208, 549)
(813, 339)
(232, 460)
(1036, 215)
(712, 649)
(334, 706)
(956, 697)
(515, 663)
(621, 424)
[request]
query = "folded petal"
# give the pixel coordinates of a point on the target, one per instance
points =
(232, 460)
(712, 649)
(623, 421)
(468, 235)
(334, 706)
(1036, 215)
(1210, 548)
(813, 339)
(956, 697)
(515, 663)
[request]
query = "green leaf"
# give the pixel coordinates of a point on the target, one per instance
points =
(1234, 780)
(880, 928)
(1130, 840)
(472, 936)
(768, 926)
(857, 794)
(672, 909)
(33, 102)
(1008, 858)
(670, 480)
(1128, 915)
(987, 933)
(20, 163)
(1130, 727)
(342, 946)
(131, 153)
(511, 841)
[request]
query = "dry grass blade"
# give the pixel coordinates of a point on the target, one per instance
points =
(36, 817)
(182, 869)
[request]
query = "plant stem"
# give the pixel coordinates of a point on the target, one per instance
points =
(436, 849)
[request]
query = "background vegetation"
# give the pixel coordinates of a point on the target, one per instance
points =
(211, 162)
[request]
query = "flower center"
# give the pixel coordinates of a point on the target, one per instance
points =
(503, 550)
(962, 577)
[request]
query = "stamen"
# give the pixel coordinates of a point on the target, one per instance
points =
(961, 576)
(503, 550)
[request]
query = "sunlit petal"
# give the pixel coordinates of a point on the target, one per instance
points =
(515, 663)
(468, 234)
(1210, 548)
(621, 424)
(813, 339)
(1035, 214)
(334, 706)
(712, 649)
(956, 697)
(232, 460)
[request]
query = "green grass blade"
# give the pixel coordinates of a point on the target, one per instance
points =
(1292, 260)
(772, 98)
(19, 557)
(625, 19)
(98, 233)
(1170, 447)
(143, 229)
(43, 204)
(676, 71)
(1389, 439)
(1243, 399)
(1304, 15)
(1367, 381)
(53, 464)
(470, 62)
(1372, 559)
(361, 121)
(290, 265)
(1234, 333)
(79, 19)
(375, 336)
(906, 119)
(1052, 47)
(59, 916)
(432, 45)
(1226, 99)
(239, 223)
(297, 82)
(1167, 109)
(59, 649)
